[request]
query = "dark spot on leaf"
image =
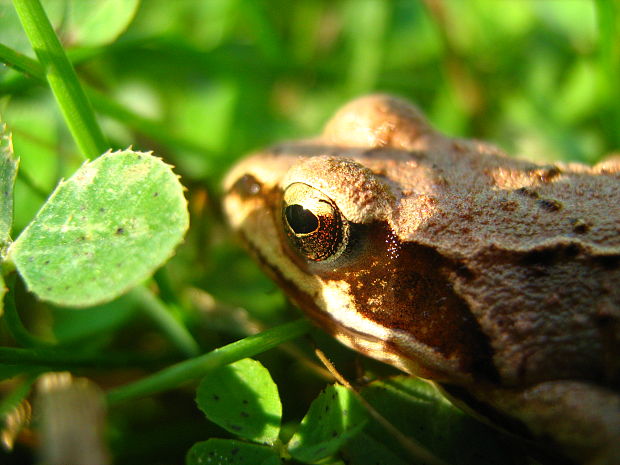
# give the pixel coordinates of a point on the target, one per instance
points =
(549, 205)
(101, 210)
(155, 194)
(216, 397)
(245, 414)
(82, 238)
(49, 288)
(327, 408)
(334, 434)
(245, 402)
(120, 231)
(235, 427)
(47, 262)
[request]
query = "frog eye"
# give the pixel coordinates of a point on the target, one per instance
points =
(313, 223)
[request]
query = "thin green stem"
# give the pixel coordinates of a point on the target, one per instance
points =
(14, 323)
(62, 79)
(65, 359)
(166, 289)
(21, 62)
(195, 368)
(106, 106)
(176, 332)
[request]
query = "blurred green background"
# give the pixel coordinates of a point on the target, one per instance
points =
(204, 82)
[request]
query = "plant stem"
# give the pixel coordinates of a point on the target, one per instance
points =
(65, 358)
(21, 62)
(14, 323)
(107, 106)
(177, 333)
(175, 375)
(62, 79)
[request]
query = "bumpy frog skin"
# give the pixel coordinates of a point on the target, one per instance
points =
(495, 277)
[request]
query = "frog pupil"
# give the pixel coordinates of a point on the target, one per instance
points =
(300, 220)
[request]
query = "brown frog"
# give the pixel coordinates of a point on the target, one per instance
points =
(497, 278)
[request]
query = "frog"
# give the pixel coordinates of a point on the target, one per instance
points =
(494, 277)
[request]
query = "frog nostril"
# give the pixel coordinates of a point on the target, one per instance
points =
(246, 186)
(300, 220)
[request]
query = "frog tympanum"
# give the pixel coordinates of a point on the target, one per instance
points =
(495, 277)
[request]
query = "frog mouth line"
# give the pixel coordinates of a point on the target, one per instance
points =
(388, 351)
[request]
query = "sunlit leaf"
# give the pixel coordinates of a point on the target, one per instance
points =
(102, 231)
(83, 22)
(243, 399)
(98, 22)
(333, 418)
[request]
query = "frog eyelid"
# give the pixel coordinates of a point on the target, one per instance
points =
(313, 223)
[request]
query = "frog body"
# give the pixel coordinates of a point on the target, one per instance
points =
(451, 261)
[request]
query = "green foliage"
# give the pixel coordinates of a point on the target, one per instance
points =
(103, 230)
(420, 412)
(243, 399)
(8, 172)
(94, 23)
(202, 84)
(228, 452)
(335, 416)
(86, 22)
(71, 327)
(61, 78)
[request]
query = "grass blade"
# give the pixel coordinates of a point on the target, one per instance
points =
(62, 79)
